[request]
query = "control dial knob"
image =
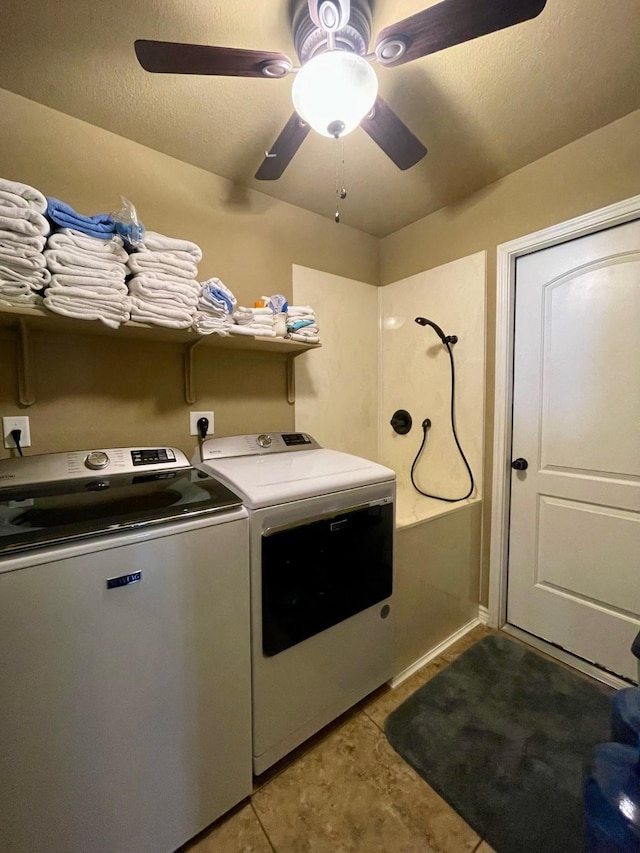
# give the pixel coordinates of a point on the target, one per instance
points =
(96, 460)
(264, 440)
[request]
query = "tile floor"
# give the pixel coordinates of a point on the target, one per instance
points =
(347, 791)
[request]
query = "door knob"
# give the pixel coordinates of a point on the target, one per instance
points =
(520, 464)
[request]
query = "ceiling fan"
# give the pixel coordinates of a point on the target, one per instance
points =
(335, 89)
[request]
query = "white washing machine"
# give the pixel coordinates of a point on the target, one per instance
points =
(322, 530)
(124, 652)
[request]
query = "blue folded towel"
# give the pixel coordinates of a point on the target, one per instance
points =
(217, 297)
(102, 225)
(299, 324)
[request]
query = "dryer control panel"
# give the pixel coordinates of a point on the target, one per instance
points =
(257, 444)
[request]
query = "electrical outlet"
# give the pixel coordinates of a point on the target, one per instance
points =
(22, 424)
(194, 417)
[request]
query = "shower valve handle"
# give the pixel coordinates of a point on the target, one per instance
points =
(520, 464)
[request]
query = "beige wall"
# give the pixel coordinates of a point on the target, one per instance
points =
(337, 385)
(597, 170)
(99, 391)
(416, 376)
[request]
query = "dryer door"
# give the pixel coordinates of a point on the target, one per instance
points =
(319, 572)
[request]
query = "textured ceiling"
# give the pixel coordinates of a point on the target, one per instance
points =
(483, 109)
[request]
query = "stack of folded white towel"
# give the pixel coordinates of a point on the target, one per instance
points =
(253, 321)
(23, 232)
(163, 286)
(302, 324)
(87, 277)
(215, 307)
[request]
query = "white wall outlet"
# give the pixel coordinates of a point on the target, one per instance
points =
(22, 424)
(194, 417)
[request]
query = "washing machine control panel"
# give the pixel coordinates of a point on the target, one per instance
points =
(50, 467)
(96, 460)
(153, 456)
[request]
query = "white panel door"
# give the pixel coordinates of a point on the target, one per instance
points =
(574, 552)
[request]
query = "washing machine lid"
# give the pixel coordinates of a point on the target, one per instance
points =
(62, 497)
(279, 474)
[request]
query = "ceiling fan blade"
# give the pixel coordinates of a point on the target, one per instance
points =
(292, 135)
(393, 136)
(447, 23)
(169, 57)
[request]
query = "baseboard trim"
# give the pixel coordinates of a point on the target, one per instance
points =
(434, 652)
(483, 614)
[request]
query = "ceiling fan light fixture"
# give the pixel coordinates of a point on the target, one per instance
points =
(334, 91)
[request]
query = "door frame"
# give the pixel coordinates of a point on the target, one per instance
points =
(507, 255)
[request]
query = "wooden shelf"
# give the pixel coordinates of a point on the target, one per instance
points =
(24, 320)
(43, 320)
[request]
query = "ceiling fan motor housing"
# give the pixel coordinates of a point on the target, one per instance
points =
(310, 40)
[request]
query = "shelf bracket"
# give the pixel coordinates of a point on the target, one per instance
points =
(26, 396)
(189, 386)
(291, 377)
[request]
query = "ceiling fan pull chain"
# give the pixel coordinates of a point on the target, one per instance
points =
(341, 192)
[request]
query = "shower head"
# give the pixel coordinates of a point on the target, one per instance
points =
(422, 321)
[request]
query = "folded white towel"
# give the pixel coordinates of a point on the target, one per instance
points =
(68, 261)
(205, 324)
(168, 285)
(261, 321)
(14, 205)
(242, 318)
(35, 279)
(11, 251)
(111, 314)
(172, 312)
(299, 310)
(243, 314)
(13, 211)
(33, 197)
(89, 282)
(307, 339)
(210, 311)
(163, 262)
(67, 238)
(22, 241)
(27, 299)
(32, 226)
(161, 295)
(255, 331)
(15, 288)
(255, 311)
(20, 261)
(154, 242)
(88, 290)
(178, 321)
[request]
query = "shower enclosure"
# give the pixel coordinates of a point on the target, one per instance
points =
(375, 360)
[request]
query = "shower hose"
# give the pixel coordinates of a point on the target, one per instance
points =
(425, 426)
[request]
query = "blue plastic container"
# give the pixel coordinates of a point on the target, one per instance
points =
(612, 800)
(625, 716)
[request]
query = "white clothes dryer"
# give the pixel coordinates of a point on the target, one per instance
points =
(321, 551)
